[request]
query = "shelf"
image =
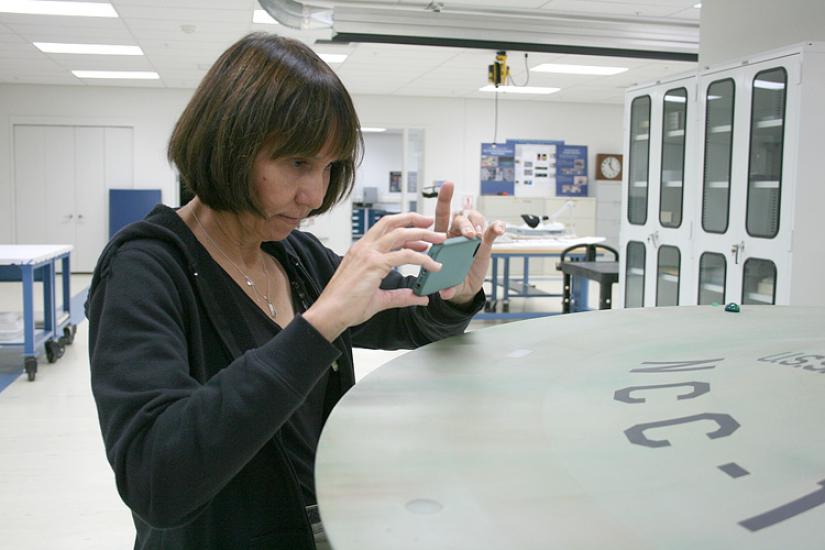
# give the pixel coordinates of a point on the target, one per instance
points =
(719, 289)
(639, 184)
(722, 129)
(718, 184)
(766, 185)
(770, 123)
(761, 298)
(675, 183)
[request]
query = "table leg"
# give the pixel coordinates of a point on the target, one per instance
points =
(580, 293)
(49, 309)
(66, 279)
(27, 274)
(506, 298)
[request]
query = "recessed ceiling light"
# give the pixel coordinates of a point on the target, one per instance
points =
(519, 89)
(333, 57)
(697, 6)
(372, 130)
(132, 75)
(263, 17)
(578, 69)
(52, 7)
(99, 49)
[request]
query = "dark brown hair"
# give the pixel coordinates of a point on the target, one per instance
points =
(271, 91)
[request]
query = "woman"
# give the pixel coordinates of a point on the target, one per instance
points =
(221, 336)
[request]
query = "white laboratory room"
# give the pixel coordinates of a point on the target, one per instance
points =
(412, 274)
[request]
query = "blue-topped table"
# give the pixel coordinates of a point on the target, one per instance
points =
(27, 263)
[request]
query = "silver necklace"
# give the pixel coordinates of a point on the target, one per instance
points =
(249, 282)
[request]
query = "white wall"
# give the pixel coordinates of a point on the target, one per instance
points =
(151, 112)
(454, 129)
(738, 28)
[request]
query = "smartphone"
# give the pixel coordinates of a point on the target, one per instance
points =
(456, 257)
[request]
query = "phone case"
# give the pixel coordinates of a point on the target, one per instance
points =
(456, 257)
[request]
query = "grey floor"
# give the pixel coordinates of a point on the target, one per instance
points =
(56, 488)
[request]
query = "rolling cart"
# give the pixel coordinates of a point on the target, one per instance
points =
(27, 263)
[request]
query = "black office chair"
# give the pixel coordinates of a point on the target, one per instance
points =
(605, 277)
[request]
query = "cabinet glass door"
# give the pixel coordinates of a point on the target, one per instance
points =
(758, 282)
(674, 116)
(718, 151)
(634, 275)
(639, 160)
(712, 274)
(667, 276)
(766, 143)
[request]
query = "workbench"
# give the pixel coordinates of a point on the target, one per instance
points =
(512, 287)
(29, 263)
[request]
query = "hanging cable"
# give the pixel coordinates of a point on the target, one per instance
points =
(527, 72)
(495, 117)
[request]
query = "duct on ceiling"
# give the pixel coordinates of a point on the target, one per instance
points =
(527, 30)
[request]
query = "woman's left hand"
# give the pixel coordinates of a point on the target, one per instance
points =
(470, 224)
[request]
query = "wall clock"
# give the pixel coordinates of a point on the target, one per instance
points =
(608, 167)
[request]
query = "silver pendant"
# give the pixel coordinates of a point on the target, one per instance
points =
(249, 281)
(272, 311)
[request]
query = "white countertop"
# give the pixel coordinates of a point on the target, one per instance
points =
(24, 254)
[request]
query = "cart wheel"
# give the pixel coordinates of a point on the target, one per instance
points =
(30, 364)
(68, 334)
(54, 350)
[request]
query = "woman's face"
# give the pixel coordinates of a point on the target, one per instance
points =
(289, 188)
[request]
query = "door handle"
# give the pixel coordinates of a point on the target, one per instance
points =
(735, 249)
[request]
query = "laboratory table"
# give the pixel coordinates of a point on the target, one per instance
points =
(683, 428)
(513, 287)
(29, 263)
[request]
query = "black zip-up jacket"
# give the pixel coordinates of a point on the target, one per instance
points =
(191, 425)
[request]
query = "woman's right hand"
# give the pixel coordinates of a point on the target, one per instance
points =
(353, 295)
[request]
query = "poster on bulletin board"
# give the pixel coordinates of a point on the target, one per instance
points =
(535, 167)
(497, 169)
(571, 171)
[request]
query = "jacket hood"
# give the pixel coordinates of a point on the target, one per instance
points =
(154, 226)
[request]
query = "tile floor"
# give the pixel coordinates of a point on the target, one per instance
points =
(56, 488)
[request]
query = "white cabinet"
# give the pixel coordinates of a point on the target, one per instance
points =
(658, 193)
(752, 188)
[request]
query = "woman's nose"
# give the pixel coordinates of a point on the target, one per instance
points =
(313, 190)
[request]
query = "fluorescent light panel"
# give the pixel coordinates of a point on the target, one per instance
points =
(96, 49)
(578, 69)
(519, 89)
(51, 7)
(768, 84)
(131, 75)
(263, 17)
(333, 57)
(373, 130)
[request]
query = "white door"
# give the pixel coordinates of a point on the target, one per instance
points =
(62, 178)
(44, 166)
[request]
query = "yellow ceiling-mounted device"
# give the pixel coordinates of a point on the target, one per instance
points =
(498, 72)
